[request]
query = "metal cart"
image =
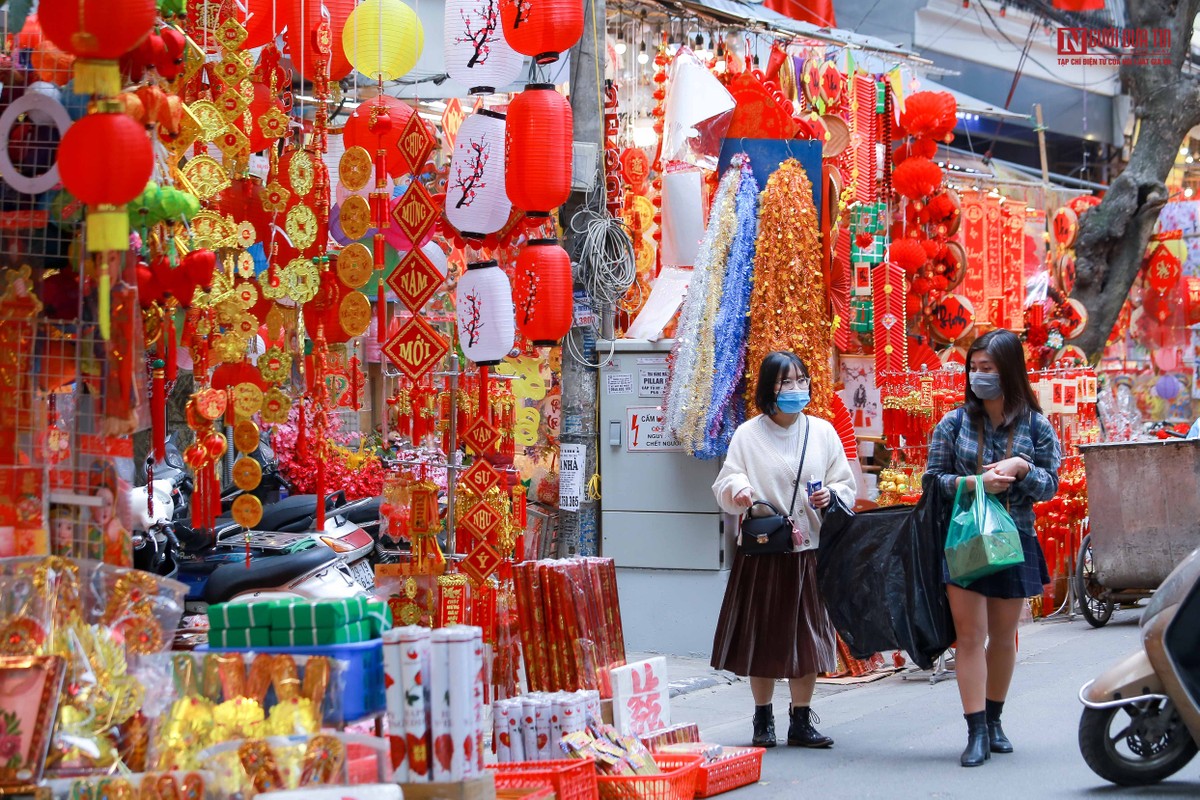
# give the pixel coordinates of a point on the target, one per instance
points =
(1144, 516)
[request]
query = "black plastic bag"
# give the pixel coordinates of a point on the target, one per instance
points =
(880, 573)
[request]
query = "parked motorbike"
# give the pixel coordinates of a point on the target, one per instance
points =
(1141, 721)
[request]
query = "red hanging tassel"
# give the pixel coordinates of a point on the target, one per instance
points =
(485, 410)
(158, 409)
(170, 348)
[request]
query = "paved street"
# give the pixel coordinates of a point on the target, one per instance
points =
(902, 738)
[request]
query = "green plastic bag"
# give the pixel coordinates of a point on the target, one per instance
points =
(983, 537)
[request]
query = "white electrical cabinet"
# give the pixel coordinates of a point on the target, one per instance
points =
(657, 507)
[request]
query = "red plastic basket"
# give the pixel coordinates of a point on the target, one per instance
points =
(545, 793)
(741, 766)
(571, 779)
(677, 781)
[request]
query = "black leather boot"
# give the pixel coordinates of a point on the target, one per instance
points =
(1000, 742)
(764, 726)
(978, 745)
(801, 732)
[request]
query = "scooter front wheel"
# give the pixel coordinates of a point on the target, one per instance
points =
(1136, 744)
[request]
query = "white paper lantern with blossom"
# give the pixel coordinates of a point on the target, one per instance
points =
(474, 49)
(487, 325)
(477, 201)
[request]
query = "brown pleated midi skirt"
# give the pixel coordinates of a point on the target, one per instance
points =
(773, 623)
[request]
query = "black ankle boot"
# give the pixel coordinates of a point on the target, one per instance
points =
(764, 726)
(1000, 742)
(978, 745)
(801, 732)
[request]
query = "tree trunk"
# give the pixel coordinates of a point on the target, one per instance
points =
(1113, 236)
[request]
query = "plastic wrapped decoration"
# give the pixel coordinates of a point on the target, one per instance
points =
(107, 622)
(698, 113)
(476, 53)
(486, 319)
(477, 202)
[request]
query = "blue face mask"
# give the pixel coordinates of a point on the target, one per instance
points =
(792, 401)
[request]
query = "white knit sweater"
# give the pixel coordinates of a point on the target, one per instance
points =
(756, 459)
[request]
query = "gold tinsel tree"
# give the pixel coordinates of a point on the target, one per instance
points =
(788, 307)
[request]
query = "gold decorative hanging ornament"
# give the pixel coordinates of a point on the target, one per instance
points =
(354, 314)
(355, 265)
(355, 217)
(247, 510)
(301, 227)
(247, 473)
(245, 436)
(355, 168)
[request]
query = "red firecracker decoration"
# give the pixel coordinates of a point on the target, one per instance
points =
(106, 184)
(542, 293)
(542, 28)
(98, 33)
(538, 150)
(891, 339)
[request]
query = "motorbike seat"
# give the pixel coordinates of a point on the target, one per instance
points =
(229, 580)
(282, 515)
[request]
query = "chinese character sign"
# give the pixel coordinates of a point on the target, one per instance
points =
(641, 697)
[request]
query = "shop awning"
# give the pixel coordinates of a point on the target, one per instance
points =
(971, 105)
(753, 15)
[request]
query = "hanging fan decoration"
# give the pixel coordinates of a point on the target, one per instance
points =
(843, 423)
(762, 111)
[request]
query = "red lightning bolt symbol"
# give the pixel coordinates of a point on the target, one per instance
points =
(634, 428)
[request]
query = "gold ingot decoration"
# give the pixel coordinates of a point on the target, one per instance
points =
(213, 230)
(355, 265)
(355, 168)
(206, 176)
(355, 217)
(354, 314)
(301, 227)
(247, 473)
(209, 117)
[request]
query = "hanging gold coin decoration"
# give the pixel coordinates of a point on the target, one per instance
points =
(302, 279)
(355, 265)
(355, 217)
(245, 265)
(354, 314)
(355, 168)
(247, 473)
(247, 510)
(301, 172)
(275, 365)
(247, 400)
(245, 436)
(301, 227)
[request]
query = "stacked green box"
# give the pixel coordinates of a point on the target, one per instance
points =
(297, 623)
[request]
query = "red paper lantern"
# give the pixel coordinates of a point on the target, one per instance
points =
(542, 28)
(378, 125)
(916, 178)
(542, 293)
(262, 19)
(106, 182)
(538, 150)
(303, 19)
(98, 33)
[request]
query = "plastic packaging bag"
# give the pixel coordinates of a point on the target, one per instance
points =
(982, 539)
(880, 573)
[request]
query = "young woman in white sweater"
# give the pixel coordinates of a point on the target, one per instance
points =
(773, 623)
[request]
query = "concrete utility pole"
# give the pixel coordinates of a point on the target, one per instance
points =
(579, 530)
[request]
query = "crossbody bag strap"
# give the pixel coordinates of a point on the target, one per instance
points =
(800, 466)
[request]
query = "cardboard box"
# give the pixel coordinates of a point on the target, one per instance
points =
(480, 788)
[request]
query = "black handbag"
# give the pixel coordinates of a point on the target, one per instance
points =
(772, 534)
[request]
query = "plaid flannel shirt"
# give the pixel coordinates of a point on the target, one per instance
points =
(1033, 440)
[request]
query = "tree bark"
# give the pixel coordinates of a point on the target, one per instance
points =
(1113, 235)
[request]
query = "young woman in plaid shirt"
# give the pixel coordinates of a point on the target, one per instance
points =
(1001, 434)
